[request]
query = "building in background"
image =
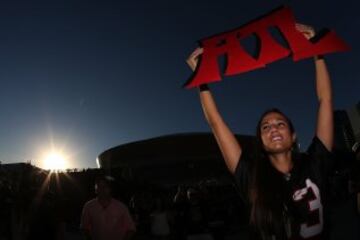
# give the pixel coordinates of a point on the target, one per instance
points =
(170, 159)
(347, 128)
(354, 117)
(344, 137)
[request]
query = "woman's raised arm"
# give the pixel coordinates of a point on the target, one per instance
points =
(325, 122)
(228, 144)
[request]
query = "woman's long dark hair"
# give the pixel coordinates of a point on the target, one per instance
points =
(267, 191)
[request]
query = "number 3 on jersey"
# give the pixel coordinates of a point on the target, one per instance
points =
(313, 228)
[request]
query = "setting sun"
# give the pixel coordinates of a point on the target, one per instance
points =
(55, 161)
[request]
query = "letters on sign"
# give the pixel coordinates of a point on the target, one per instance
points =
(240, 61)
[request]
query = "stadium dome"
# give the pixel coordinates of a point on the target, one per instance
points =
(171, 157)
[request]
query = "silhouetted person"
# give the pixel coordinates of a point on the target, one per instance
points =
(180, 206)
(105, 218)
(160, 220)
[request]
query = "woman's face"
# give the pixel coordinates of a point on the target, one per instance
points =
(275, 132)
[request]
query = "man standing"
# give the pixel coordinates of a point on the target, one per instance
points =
(105, 218)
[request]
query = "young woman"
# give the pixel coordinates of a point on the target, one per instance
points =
(285, 189)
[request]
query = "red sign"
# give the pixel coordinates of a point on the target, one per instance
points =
(240, 61)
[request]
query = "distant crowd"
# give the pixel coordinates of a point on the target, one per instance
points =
(37, 204)
(40, 204)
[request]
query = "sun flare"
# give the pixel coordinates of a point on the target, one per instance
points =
(55, 161)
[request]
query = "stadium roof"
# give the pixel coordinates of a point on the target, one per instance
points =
(171, 157)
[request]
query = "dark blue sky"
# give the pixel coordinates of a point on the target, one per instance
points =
(85, 76)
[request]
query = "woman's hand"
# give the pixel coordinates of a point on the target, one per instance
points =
(193, 59)
(306, 30)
